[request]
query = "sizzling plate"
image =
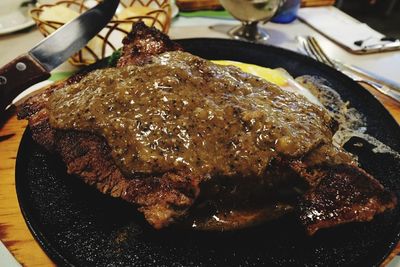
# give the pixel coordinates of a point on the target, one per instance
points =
(76, 225)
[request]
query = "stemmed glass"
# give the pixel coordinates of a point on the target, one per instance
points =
(250, 13)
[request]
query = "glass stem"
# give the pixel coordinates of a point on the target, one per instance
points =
(250, 30)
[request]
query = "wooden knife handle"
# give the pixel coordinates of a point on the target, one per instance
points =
(18, 75)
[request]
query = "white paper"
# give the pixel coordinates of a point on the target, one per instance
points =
(6, 258)
(340, 27)
(27, 92)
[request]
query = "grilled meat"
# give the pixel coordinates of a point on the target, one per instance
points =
(142, 43)
(318, 181)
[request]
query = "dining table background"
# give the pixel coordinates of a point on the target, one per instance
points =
(13, 231)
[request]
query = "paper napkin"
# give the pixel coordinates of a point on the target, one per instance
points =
(340, 27)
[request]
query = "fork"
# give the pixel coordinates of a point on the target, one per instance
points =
(311, 47)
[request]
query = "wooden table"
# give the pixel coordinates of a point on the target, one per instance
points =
(13, 230)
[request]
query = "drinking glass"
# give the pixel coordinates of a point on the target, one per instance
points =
(250, 13)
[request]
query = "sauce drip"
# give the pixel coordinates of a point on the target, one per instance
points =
(181, 112)
(351, 122)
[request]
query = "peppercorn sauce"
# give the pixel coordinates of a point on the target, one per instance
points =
(182, 112)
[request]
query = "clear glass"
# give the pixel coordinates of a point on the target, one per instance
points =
(250, 13)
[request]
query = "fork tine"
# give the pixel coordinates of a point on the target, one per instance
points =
(315, 52)
(309, 49)
(317, 48)
(305, 47)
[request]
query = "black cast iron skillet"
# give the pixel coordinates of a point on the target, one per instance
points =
(76, 225)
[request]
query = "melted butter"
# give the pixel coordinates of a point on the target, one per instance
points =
(277, 76)
(180, 112)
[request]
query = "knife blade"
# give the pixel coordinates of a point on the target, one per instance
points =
(35, 65)
(368, 75)
(377, 86)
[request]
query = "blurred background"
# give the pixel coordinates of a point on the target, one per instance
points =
(381, 15)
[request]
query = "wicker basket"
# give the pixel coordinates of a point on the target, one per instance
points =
(109, 39)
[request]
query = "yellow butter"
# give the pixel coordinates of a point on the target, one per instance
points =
(272, 75)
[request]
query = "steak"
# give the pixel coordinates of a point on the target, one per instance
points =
(323, 185)
(143, 42)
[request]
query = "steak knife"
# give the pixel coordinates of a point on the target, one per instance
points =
(36, 65)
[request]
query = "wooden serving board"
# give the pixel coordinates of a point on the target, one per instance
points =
(311, 3)
(13, 231)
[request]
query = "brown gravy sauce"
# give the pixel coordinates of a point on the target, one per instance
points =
(181, 112)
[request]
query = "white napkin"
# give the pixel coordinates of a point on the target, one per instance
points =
(340, 27)
(6, 258)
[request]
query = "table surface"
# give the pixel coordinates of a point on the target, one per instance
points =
(13, 230)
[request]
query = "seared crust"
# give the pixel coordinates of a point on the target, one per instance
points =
(330, 186)
(161, 198)
(344, 193)
(36, 103)
(143, 42)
